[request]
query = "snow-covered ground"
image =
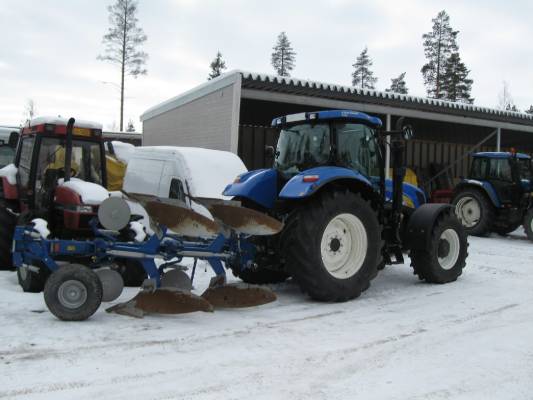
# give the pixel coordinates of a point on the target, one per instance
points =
(403, 339)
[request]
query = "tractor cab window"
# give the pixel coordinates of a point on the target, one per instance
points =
(479, 168)
(357, 148)
(301, 147)
(500, 169)
(86, 164)
(25, 161)
(526, 169)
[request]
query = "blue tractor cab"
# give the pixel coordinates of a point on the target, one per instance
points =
(343, 221)
(496, 195)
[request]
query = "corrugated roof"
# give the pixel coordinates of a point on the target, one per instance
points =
(349, 93)
(303, 87)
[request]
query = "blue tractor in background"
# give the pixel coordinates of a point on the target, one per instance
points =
(497, 195)
(343, 221)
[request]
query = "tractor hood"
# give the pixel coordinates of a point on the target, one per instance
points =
(260, 186)
(90, 193)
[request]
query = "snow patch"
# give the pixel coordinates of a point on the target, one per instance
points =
(90, 193)
(9, 172)
(138, 228)
(63, 121)
(41, 226)
(123, 151)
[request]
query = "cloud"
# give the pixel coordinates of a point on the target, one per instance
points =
(50, 52)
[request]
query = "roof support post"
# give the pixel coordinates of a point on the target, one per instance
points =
(387, 147)
(498, 139)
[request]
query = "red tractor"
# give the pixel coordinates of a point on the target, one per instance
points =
(59, 175)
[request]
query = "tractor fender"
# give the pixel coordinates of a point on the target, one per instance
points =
(310, 181)
(260, 186)
(483, 186)
(420, 225)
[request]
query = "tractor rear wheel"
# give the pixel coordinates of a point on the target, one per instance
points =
(444, 258)
(33, 281)
(73, 292)
(332, 246)
(528, 224)
(7, 224)
(475, 211)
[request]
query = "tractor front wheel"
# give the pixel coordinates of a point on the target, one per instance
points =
(474, 210)
(444, 257)
(332, 246)
(73, 292)
(528, 224)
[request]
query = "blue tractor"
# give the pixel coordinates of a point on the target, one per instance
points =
(496, 196)
(343, 221)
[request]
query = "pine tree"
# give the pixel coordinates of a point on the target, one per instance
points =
(122, 44)
(362, 76)
(131, 127)
(283, 57)
(439, 45)
(398, 85)
(217, 66)
(529, 110)
(456, 86)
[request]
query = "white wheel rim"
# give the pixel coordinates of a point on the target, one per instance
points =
(344, 246)
(449, 258)
(468, 211)
(72, 294)
(531, 224)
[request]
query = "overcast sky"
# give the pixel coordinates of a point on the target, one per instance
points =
(48, 48)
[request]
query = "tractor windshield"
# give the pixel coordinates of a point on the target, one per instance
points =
(301, 147)
(357, 148)
(86, 161)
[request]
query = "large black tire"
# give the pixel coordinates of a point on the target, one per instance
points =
(528, 224)
(30, 281)
(73, 293)
(445, 256)
(333, 225)
(7, 230)
(132, 272)
(467, 203)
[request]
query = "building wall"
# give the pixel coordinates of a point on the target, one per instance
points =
(204, 122)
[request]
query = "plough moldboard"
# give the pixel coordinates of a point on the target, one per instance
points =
(178, 232)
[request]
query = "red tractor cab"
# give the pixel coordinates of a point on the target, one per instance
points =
(59, 174)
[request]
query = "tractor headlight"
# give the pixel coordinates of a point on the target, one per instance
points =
(84, 209)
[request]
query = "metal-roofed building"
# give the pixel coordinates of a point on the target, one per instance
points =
(234, 111)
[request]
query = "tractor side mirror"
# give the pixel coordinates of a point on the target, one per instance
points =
(407, 132)
(405, 129)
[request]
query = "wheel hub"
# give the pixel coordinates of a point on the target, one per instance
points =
(344, 246)
(449, 249)
(468, 211)
(444, 248)
(72, 294)
(335, 244)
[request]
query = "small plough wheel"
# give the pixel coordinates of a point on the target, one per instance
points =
(445, 256)
(73, 293)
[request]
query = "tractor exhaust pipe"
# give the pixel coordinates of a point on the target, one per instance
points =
(68, 149)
